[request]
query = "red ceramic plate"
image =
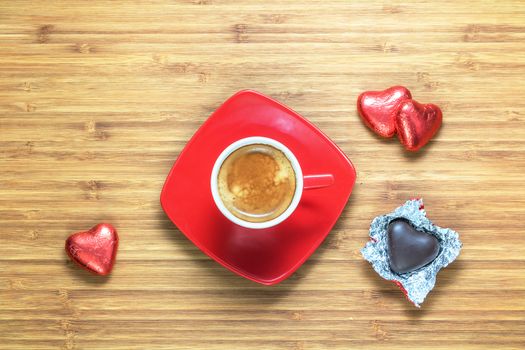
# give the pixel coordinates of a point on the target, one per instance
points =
(266, 256)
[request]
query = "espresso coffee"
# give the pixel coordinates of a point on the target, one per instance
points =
(256, 183)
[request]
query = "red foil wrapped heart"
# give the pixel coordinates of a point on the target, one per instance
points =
(378, 109)
(417, 123)
(94, 250)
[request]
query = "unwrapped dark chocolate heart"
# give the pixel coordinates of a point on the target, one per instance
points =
(409, 249)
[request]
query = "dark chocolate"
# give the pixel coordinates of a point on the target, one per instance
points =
(409, 249)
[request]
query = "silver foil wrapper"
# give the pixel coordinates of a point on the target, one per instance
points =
(420, 282)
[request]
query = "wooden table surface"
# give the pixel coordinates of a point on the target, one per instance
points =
(97, 99)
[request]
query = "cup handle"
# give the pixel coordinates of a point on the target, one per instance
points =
(311, 182)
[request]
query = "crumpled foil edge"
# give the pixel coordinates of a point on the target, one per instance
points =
(420, 282)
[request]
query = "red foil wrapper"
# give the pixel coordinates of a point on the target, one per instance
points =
(94, 250)
(393, 110)
(378, 109)
(417, 123)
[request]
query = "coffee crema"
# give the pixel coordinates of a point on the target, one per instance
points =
(256, 183)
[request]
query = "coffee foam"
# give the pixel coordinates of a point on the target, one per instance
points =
(256, 183)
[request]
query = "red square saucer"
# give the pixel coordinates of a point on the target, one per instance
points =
(266, 256)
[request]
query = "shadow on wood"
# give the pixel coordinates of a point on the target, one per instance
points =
(239, 287)
(387, 293)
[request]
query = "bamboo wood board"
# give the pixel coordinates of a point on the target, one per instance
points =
(97, 99)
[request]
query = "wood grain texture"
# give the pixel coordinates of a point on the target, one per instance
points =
(97, 99)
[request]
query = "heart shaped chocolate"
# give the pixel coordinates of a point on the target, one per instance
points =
(417, 123)
(95, 250)
(379, 108)
(408, 248)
